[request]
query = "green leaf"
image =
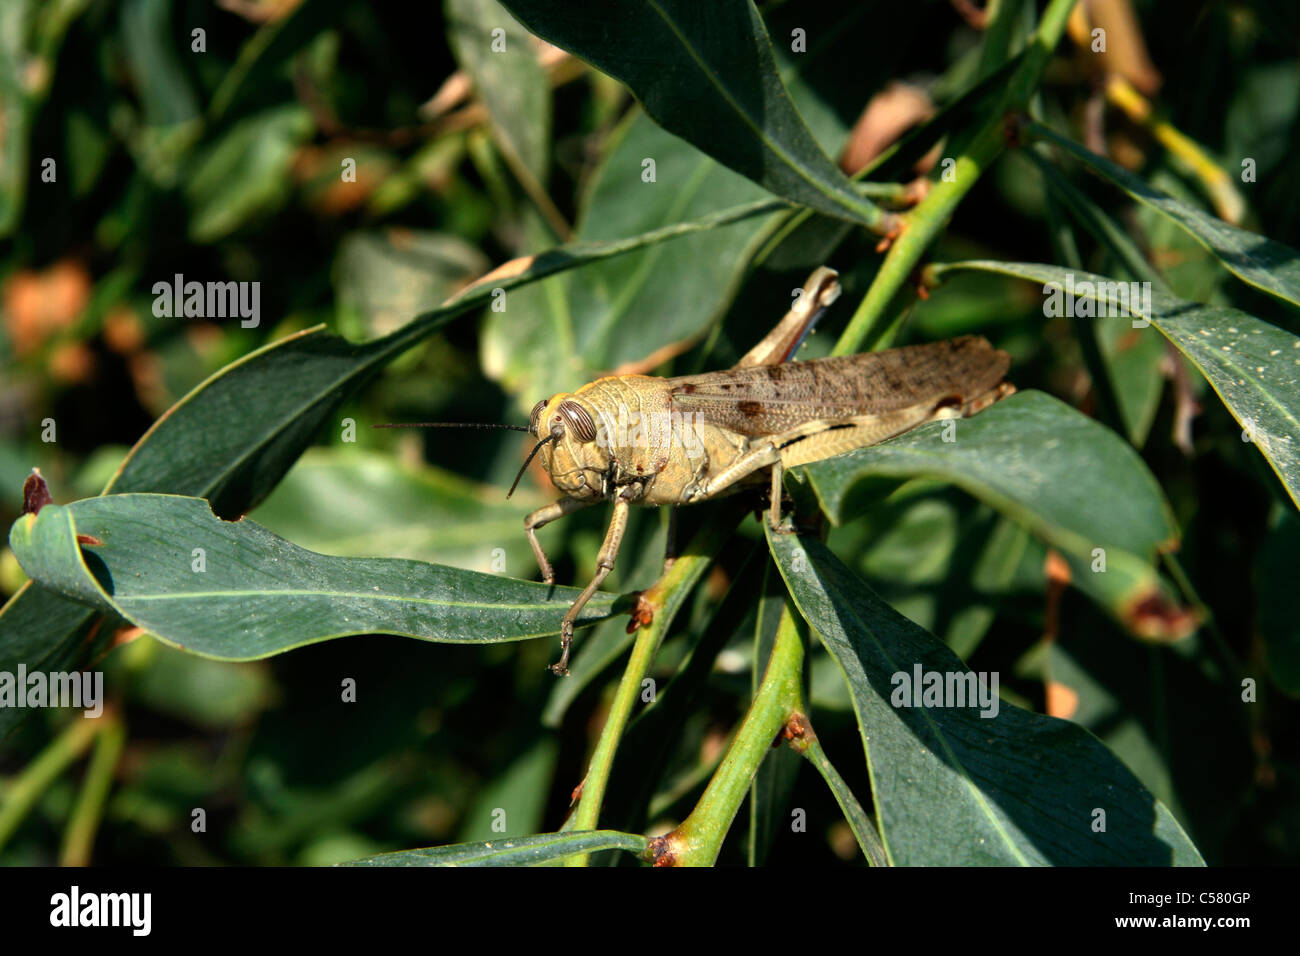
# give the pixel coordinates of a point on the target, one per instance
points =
(245, 174)
(951, 787)
(233, 437)
(1255, 259)
(1068, 480)
(507, 79)
(706, 73)
(1254, 366)
(514, 851)
(43, 631)
(1129, 362)
(257, 594)
(367, 504)
(1088, 686)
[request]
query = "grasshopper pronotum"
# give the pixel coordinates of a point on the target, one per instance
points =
(638, 439)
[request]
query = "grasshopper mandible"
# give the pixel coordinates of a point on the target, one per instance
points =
(642, 440)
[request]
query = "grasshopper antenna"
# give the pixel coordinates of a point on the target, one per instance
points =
(528, 461)
(513, 428)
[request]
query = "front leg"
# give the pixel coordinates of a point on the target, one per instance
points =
(544, 516)
(604, 564)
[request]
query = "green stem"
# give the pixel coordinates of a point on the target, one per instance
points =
(36, 777)
(868, 837)
(697, 841)
(931, 216)
(79, 836)
(1003, 17)
(686, 570)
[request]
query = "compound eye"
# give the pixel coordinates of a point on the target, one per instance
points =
(579, 421)
(536, 416)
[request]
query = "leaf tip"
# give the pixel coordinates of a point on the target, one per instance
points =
(36, 493)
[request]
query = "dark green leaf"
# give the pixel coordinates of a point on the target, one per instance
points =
(1260, 261)
(249, 594)
(1254, 366)
(1065, 478)
(706, 73)
(953, 787)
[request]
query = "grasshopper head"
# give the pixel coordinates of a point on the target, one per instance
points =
(571, 445)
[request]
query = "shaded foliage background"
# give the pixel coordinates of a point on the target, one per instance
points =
(225, 164)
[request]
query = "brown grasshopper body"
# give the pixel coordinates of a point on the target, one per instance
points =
(637, 439)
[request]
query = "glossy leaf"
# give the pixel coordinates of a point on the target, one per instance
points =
(234, 591)
(1254, 366)
(706, 73)
(1258, 260)
(513, 851)
(1068, 480)
(954, 788)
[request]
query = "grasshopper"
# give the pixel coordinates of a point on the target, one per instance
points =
(642, 440)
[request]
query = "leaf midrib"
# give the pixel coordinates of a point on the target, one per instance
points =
(835, 196)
